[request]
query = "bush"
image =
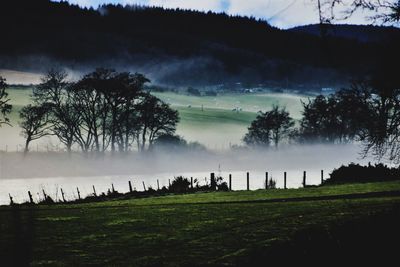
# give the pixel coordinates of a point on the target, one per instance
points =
(180, 184)
(222, 186)
(355, 173)
(271, 184)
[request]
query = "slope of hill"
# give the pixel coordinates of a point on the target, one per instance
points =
(361, 33)
(175, 46)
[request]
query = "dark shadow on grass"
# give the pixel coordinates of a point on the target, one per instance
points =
(371, 241)
(18, 251)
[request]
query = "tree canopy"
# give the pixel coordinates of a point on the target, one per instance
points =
(104, 111)
(269, 128)
(5, 107)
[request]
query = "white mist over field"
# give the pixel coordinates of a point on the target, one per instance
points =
(52, 171)
(218, 127)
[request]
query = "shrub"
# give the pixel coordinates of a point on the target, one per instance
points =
(180, 184)
(355, 173)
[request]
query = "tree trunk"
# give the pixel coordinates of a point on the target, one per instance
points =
(26, 150)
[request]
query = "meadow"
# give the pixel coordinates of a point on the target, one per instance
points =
(242, 228)
(211, 121)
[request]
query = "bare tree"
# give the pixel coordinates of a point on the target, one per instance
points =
(55, 93)
(5, 108)
(385, 11)
(157, 118)
(34, 123)
(380, 97)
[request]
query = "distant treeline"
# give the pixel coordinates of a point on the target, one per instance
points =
(367, 112)
(203, 48)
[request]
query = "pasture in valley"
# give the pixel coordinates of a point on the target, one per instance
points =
(216, 125)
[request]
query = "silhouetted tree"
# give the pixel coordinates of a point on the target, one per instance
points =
(269, 128)
(157, 118)
(170, 141)
(5, 108)
(337, 118)
(34, 123)
(55, 93)
(387, 11)
(380, 96)
(108, 102)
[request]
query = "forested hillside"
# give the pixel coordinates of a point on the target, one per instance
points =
(176, 46)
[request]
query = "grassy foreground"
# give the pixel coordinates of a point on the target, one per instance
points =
(204, 229)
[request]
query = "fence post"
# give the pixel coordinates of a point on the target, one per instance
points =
(44, 194)
(11, 199)
(230, 182)
(169, 183)
(62, 195)
(158, 184)
(213, 185)
(322, 176)
(191, 182)
(266, 180)
(144, 187)
(284, 180)
(94, 191)
(304, 179)
(79, 193)
(130, 187)
(30, 197)
(112, 188)
(248, 181)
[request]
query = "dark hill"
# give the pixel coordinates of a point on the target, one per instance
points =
(176, 46)
(361, 33)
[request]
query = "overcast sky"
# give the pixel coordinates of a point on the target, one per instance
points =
(280, 13)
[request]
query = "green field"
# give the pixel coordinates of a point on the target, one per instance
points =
(203, 229)
(215, 125)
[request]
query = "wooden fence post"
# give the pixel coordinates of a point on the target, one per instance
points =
(322, 177)
(144, 187)
(158, 184)
(248, 181)
(130, 187)
(284, 180)
(213, 185)
(230, 182)
(112, 188)
(191, 182)
(44, 195)
(62, 195)
(30, 197)
(11, 199)
(79, 193)
(266, 180)
(94, 191)
(169, 183)
(304, 179)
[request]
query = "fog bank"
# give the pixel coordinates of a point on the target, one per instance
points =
(300, 157)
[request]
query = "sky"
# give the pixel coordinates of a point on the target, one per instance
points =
(280, 13)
